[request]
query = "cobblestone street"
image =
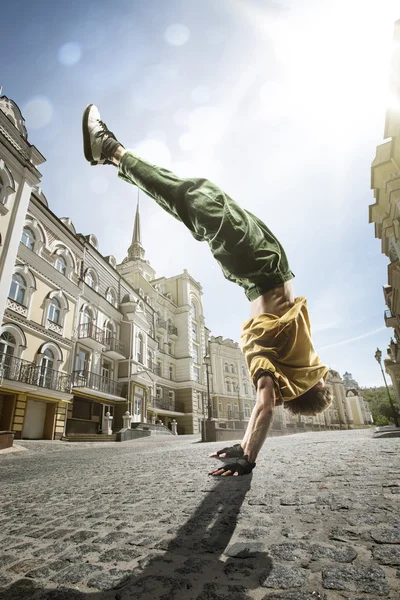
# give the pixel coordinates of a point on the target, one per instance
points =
(318, 518)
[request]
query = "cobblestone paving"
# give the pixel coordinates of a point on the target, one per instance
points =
(319, 518)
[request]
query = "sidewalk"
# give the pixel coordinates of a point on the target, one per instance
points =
(318, 518)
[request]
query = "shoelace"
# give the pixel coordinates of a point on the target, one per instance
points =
(104, 131)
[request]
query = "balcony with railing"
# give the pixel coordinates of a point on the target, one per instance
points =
(227, 415)
(93, 335)
(171, 405)
(17, 307)
(94, 381)
(113, 347)
(172, 330)
(23, 371)
(161, 324)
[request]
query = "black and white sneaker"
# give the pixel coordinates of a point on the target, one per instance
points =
(99, 143)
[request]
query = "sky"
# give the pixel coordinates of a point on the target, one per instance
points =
(279, 102)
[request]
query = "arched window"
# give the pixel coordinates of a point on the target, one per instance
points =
(47, 359)
(139, 348)
(28, 238)
(244, 374)
(61, 265)
(109, 331)
(18, 288)
(193, 310)
(226, 368)
(236, 410)
(228, 385)
(232, 368)
(91, 279)
(7, 344)
(86, 316)
(247, 411)
(54, 311)
(246, 389)
(110, 297)
(46, 374)
(149, 359)
(229, 410)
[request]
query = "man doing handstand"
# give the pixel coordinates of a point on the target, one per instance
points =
(276, 340)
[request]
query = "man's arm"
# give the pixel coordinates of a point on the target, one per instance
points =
(259, 424)
(261, 418)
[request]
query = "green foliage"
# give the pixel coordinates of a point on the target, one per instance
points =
(379, 404)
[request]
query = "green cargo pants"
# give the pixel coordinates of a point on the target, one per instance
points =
(246, 250)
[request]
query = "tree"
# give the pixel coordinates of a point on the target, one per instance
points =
(379, 404)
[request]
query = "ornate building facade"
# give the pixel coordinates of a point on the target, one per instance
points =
(385, 213)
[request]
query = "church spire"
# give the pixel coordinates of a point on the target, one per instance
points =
(136, 250)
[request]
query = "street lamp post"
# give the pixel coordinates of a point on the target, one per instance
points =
(378, 357)
(240, 409)
(207, 362)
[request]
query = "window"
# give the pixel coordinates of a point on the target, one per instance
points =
(219, 406)
(55, 311)
(159, 368)
(28, 238)
(46, 368)
(111, 297)
(18, 288)
(61, 265)
(160, 343)
(106, 369)
(228, 385)
(109, 331)
(82, 361)
(171, 371)
(149, 359)
(226, 368)
(171, 395)
(244, 374)
(193, 311)
(139, 348)
(236, 410)
(229, 410)
(90, 280)
(86, 316)
(169, 348)
(196, 373)
(232, 368)
(158, 393)
(196, 353)
(247, 411)
(246, 389)
(194, 330)
(47, 359)
(7, 349)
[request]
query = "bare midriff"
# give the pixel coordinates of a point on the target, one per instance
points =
(275, 302)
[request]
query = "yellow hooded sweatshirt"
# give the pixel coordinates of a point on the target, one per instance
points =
(283, 346)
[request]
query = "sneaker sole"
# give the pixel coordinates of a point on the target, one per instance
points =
(87, 148)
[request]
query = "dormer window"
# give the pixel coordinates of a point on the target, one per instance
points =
(28, 238)
(61, 265)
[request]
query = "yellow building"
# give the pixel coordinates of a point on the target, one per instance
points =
(36, 336)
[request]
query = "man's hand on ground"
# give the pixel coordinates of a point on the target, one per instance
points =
(223, 473)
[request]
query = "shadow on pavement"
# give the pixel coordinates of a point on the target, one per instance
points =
(187, 567)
